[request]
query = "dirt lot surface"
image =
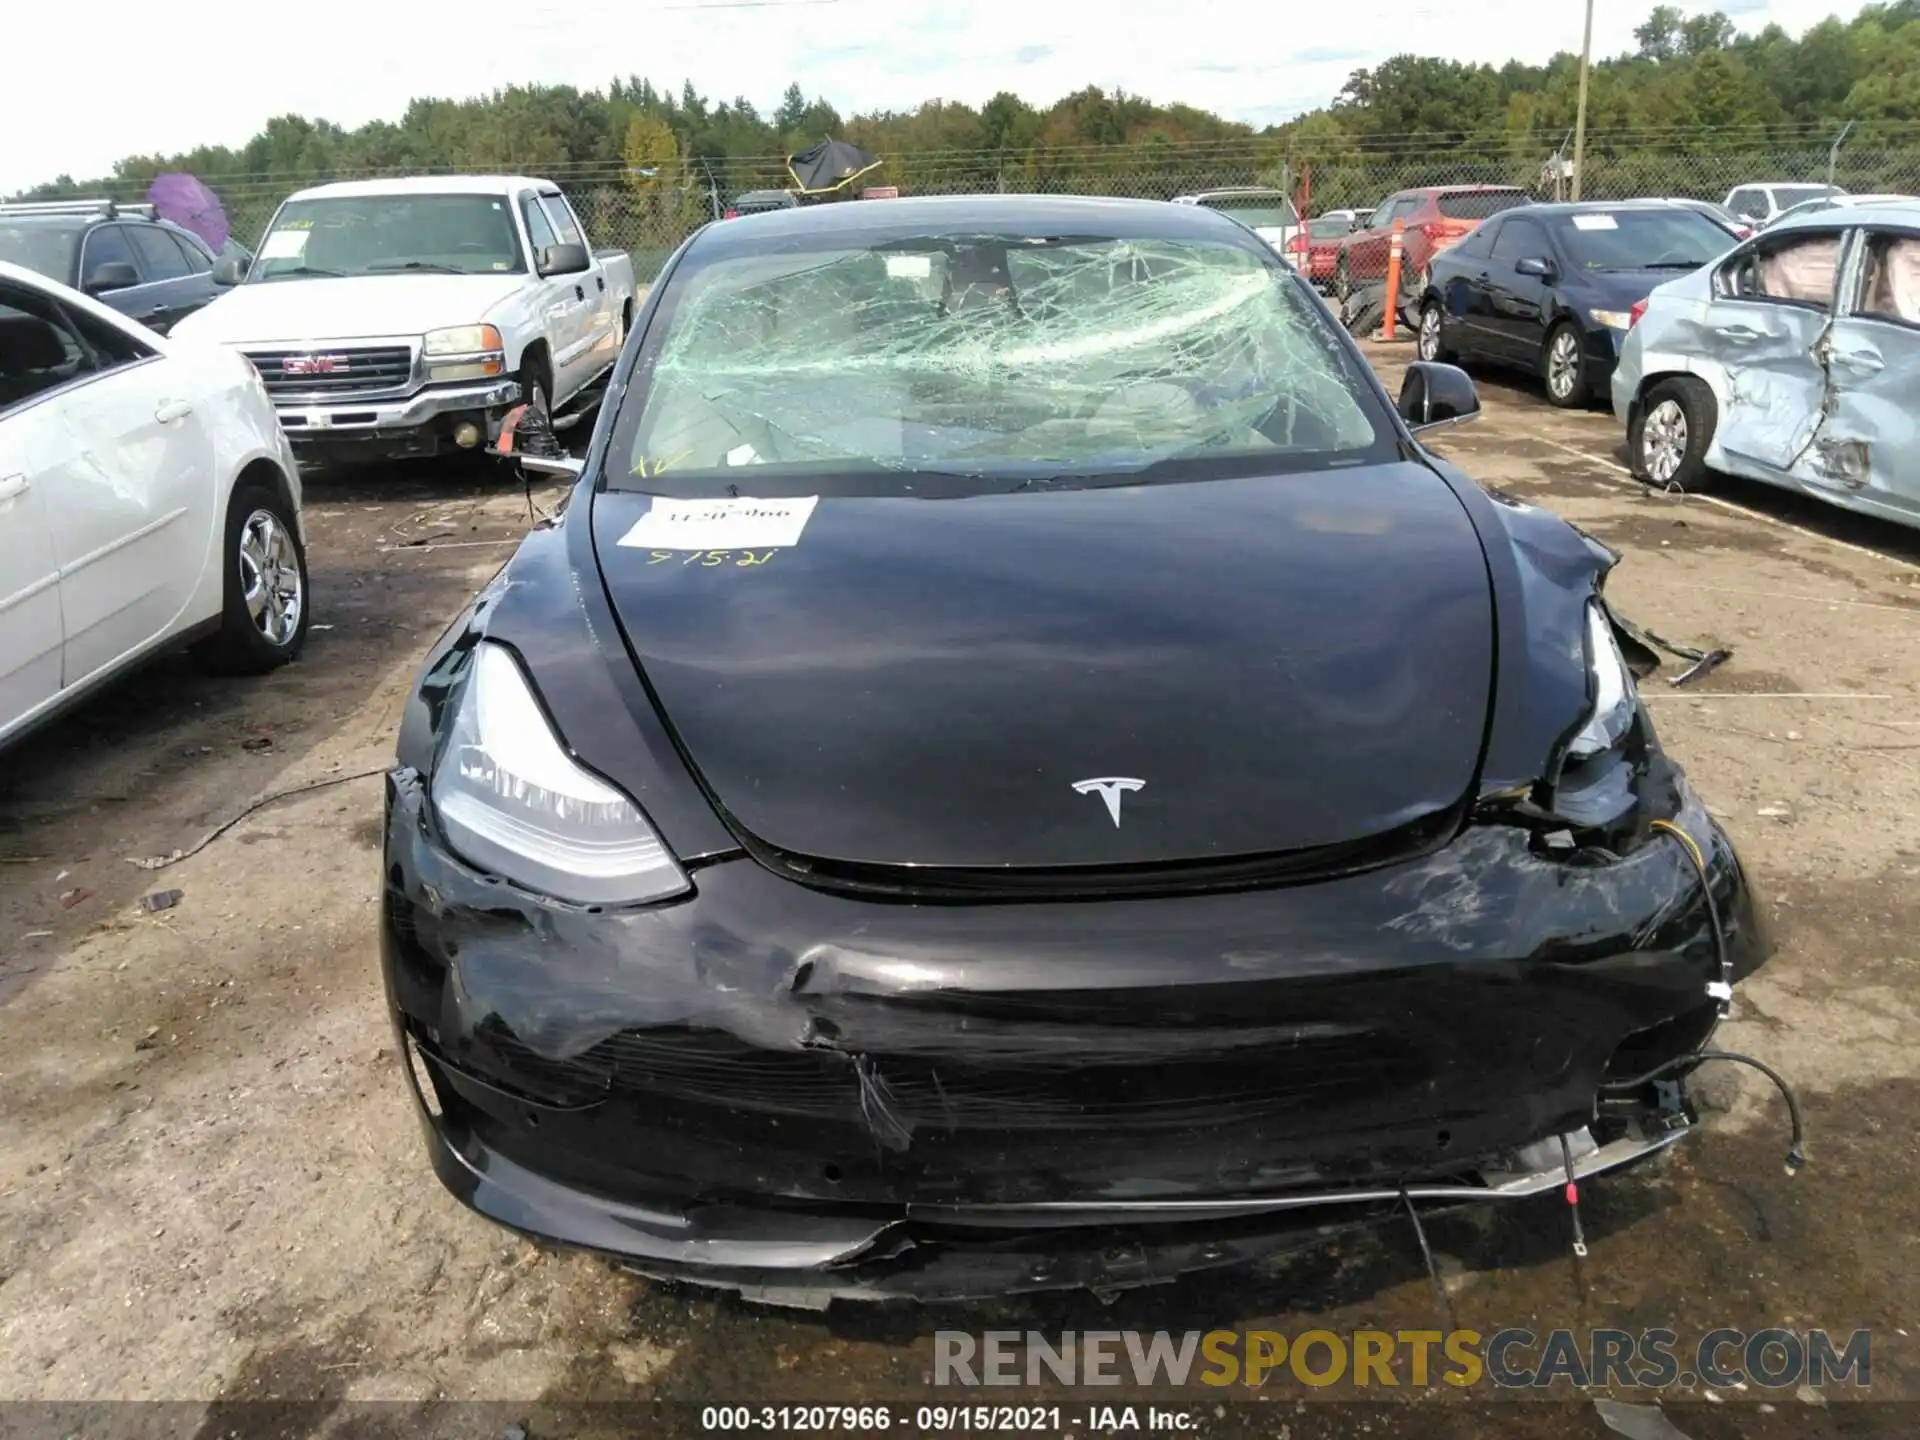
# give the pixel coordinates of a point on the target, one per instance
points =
(212, 1189)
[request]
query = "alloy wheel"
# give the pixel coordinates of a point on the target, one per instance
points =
(1663, 441)
(1430, 332)
(270, 578)
(1563, 364)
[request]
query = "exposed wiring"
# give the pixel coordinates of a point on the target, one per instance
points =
(1722, 990)
(1573, 1198)
(1796, 1152)
(161, 862)
(1426, 1254)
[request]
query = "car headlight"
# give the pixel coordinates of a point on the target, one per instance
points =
(1613, 319)
(474, 352)
(1614, 696)
(513, 803)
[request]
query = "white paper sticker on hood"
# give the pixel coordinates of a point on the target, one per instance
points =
(733, 524)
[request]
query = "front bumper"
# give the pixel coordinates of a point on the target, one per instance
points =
(421, 423)
(803, 1096)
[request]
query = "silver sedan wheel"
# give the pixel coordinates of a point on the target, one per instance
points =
(270, 577)
(1430, 332)
(1663, 441)
(1563, 364)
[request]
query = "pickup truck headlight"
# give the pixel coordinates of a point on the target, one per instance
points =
(464, 352)
(1614, 696)
(513, 803)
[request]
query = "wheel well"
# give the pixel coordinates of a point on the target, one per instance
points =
(536, 354)
(1660, 377)
(265, 475)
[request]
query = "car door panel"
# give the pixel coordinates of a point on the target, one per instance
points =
(30, 627)
(579, 346)
(1771, 309)
(130, 480)
(1514, 301)
(557, 302)
(1866, 450)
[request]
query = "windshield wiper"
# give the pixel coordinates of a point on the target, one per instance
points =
(434, 265)
(1674, 265)
(301, 271)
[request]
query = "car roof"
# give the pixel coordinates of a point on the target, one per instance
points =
(913, 216)
(75, 224)
(1236, 190)
(53, 222)
(1904, 213)
(1550, 208)
(1462, 190)
(425, 185)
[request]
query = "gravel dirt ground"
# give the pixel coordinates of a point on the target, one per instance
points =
(212, 1190)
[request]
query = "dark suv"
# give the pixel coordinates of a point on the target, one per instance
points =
(146, 268)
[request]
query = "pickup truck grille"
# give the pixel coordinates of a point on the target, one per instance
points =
(334, 370)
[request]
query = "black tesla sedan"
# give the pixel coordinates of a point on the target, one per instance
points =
(1551, 288)
(1015, 769)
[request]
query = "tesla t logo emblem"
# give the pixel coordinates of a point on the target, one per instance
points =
(1109, 789)
(313, 364)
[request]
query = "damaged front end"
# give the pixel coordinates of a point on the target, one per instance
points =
(804, 1095)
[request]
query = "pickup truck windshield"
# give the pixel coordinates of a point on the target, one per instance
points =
(390, 235)
(988, 356)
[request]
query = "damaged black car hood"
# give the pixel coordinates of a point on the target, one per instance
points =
(1108, 676)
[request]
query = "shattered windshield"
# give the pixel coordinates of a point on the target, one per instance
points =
(991, 355)
(390, 234)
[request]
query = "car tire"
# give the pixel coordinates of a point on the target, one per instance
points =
(1563, 366)
(1671, 430)
(266, 603)
(1428, 344)
(534, 433)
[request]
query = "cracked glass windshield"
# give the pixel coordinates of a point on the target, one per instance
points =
(989, 356)
(389, 234)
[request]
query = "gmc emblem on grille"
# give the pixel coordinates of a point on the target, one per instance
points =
(314, 365)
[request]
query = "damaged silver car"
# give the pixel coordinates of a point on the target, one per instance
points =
(1794, 360)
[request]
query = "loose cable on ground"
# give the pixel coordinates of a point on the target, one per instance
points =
(161, 862)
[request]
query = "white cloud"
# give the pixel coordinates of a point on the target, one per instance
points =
(130, 83)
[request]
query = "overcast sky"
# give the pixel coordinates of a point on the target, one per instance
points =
(146, 79)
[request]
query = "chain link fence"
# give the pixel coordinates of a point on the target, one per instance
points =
(650, 215)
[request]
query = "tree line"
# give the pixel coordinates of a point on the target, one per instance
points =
(1690, 82)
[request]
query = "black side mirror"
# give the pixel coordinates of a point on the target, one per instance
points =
(114, 275)
(1434, 395)
(1534, 265)
(229, 270)
(563, 260)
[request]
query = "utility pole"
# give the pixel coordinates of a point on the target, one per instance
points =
(1580, 110)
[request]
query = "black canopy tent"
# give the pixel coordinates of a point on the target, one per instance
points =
(829, 169)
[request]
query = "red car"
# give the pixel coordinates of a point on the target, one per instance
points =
(1435, 217)
(1315, 250)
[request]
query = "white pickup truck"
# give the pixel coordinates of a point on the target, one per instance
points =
(394, 318)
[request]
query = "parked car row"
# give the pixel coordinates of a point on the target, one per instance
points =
(149, 488)
(1787, 352)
